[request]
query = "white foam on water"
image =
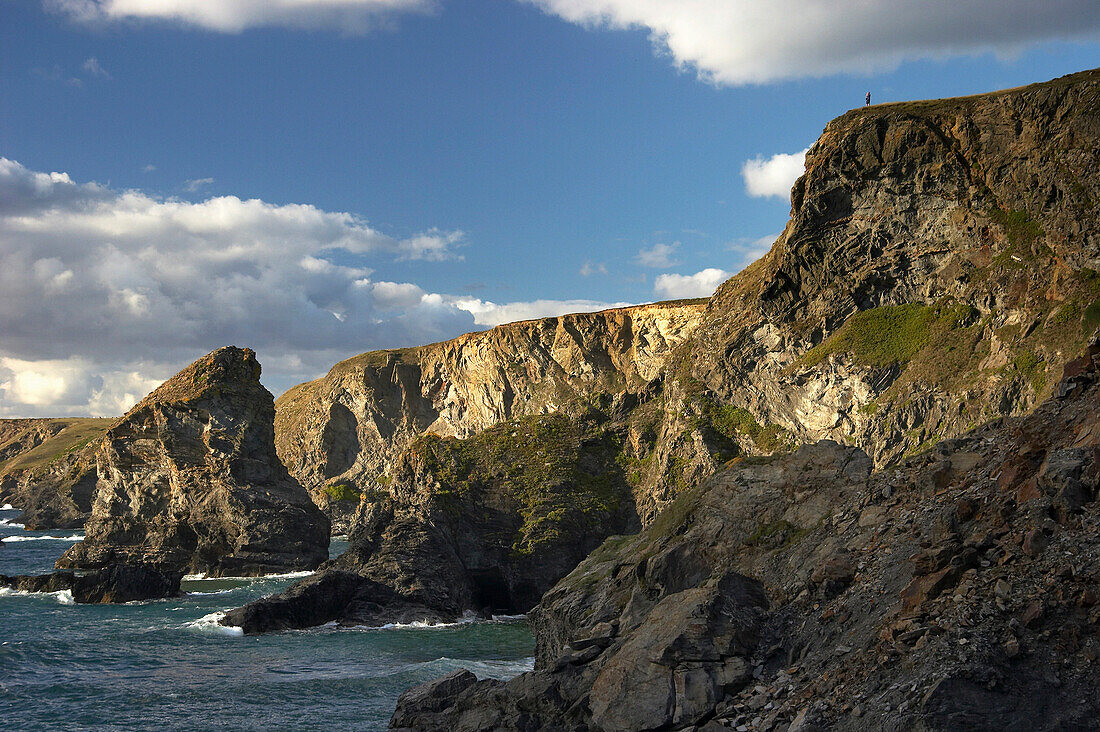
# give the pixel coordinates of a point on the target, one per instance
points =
(210, 624)
(467, 618)
(12, 524)
(286, 575)
(8, 507)
(64, 597)
(74, 537)
(509, 618)
(212, 592)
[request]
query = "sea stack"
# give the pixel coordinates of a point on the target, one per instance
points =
(189, 479)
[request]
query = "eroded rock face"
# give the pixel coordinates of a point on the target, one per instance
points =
(189, 479)
(350, 426)
(935, 273)
(956, 590)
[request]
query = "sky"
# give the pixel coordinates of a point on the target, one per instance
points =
(319, 178)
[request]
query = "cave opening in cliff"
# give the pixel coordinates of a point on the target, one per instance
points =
(490, 591)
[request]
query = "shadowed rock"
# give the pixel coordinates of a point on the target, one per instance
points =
(115, 584)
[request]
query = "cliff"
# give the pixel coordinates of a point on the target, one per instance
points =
(937, 275)
(47, 469)
(939, 267)
(955, 591)
(350, 426)
(189, 480)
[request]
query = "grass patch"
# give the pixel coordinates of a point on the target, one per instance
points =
(1090, 319)
(892, 334)
(1031, 368)
(342, 492)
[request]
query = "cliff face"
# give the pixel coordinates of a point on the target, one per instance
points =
(47, 469)
(348, 428)
(939, 266)
(189, 480)
(955, 591)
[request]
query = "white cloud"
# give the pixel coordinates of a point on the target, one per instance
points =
(487, 313)
(752, 42)
(657, 256)
(234, 16)
(148, 168)
(91, 65)
(774, 176)
(589, 268)
(700, 284)
(196, 183)
(104, 292)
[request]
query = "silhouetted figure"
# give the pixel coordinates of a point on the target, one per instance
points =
(868, 102)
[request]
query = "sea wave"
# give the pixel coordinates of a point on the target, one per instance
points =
(8, 507)
(74, 537)
(212, 592)
(11, 524)
(495, 669)
(210, 624)
(64, 597)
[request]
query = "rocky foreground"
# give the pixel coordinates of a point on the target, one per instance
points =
(958, 590)
(189, 480)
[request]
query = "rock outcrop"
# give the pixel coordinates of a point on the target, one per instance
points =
(958, 590)
(189, 480)
(47, 469)
(350, 427)
(939, 266)
(483, 525)
(115, 584)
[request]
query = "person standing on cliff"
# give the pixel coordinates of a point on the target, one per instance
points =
(867, 102)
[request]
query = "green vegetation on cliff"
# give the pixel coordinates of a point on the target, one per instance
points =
(562, 475)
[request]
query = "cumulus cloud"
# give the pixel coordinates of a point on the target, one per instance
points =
(700, 284)
(773, 176)
(104, 292)
(487, 313)
(234, 16)
(658, 256)
(751, 42)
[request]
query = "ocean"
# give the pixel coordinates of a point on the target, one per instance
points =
(168, 665)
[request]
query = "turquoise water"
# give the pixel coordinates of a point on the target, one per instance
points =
(168, 665)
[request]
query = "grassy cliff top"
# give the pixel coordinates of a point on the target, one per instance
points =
(76, 433)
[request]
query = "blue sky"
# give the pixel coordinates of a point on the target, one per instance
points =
(418, 170)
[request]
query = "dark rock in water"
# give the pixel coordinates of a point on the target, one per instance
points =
(332, 595)
(189, 479)
(115, 584)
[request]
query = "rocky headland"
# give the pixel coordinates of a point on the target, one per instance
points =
(189, 480)
(926, 305)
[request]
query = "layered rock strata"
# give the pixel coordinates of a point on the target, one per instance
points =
(189, 480)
